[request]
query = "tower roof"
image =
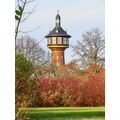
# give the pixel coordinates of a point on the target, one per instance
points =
(58, 30)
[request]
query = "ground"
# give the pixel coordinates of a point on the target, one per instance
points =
(66, 113)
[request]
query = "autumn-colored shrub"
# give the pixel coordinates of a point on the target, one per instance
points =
(94, 69)
(71, 91)
(94, 91)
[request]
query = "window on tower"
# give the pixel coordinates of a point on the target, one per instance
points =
(53, 40)
(59, 40)
(64, 40)
(49, 40)
(56, 31)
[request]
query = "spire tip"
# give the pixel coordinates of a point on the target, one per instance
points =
(58, 12)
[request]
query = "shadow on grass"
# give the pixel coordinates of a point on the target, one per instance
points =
(64, 115)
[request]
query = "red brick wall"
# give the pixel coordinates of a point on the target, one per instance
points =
(58, 56)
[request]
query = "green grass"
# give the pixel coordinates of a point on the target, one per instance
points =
(65, 113)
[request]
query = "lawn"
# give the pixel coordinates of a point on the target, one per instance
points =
(65, 113)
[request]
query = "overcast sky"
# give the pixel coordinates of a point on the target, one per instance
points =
(77, 16)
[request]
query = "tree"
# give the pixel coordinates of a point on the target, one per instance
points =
(72, 69)
(24, 87)
(48, 70)
(91, 49)
(31, 50)
(23, 90)
(21, 14)
(94, 69)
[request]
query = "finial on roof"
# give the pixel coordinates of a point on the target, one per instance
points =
(58, 19)
(58, 12)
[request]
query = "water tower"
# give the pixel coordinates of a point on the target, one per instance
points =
(58, 41)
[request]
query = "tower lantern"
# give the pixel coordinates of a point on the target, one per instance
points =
(58, 41)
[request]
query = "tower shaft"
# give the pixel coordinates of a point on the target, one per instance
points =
(58, 56)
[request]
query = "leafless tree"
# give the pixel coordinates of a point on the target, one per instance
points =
(32, 50)
(91, 50)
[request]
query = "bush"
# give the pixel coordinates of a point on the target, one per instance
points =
(71, 91)
(94, 91)
(24, 91)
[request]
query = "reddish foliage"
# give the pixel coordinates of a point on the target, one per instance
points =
(71, 91)
(94, 69)
(94, 91)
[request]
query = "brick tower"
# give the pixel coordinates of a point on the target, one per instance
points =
(58, 41)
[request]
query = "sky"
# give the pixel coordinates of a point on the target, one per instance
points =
(77, 16)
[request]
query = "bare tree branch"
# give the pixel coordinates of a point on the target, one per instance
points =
(91, 49)
(29, 13)
(31, 1)
(31, 30)
(22, 4)
(32, 50)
